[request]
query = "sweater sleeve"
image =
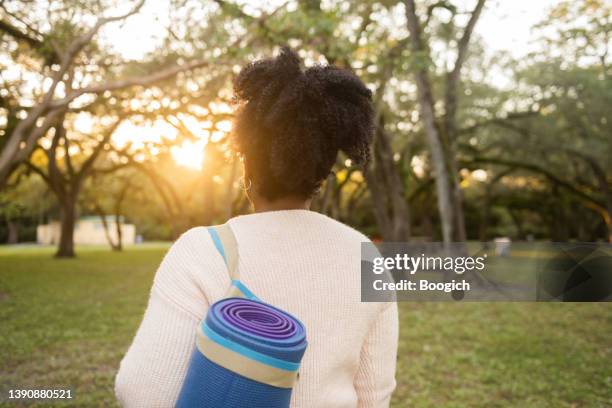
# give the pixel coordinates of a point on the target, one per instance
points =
(375, 379)
(153, 370)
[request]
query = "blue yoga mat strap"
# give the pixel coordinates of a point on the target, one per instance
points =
(226, 244)
(239, 289)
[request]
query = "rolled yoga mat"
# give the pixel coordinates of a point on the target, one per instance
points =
(248, 354)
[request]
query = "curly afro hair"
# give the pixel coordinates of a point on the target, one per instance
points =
(291, 123)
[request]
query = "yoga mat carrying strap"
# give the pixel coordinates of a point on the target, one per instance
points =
(247, 353)
(226, 244)
(225, 241)
(260, 371)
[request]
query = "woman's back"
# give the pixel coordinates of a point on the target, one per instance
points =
(288, 128)
(298, 260)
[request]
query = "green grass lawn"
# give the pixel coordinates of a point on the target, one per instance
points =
(68, 323)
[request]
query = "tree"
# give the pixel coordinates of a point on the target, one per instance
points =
(62, 54)
(107, 194)
(563, 139)
(66, 179)
(543, 144)
(21, 205)
(441, 132)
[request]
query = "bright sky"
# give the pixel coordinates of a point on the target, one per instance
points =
(505, 25)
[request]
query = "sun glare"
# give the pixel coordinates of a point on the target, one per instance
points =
(139, 135)
(189, 154)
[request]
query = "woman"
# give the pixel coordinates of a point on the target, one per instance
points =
(289, 127)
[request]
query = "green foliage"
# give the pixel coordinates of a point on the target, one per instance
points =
(25, 198)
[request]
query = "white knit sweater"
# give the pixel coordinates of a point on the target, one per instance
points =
(298, 260)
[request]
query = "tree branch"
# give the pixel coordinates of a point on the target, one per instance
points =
(38, 171)
(86, 38)
(87, 164)
(499, 121)
(112, 169)
(541, 170)
(137, 81)
(462, 46)
(452, 79)
(67, 158)
(439, 4)
(19, 35)
(56, 178)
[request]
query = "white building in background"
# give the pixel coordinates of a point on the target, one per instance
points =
(88, 230)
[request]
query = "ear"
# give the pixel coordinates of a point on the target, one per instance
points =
(247, 176)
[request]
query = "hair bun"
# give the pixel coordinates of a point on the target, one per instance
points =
(257, 75)
(292, 122)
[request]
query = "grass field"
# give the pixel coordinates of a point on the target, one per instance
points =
(68, 323)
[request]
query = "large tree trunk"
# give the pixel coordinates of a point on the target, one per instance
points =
(450, 121)
(444, 188)
(379, 202)
(442, 151)
(67, 224)
(460, 234)
(13, 232)
(387, 191)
